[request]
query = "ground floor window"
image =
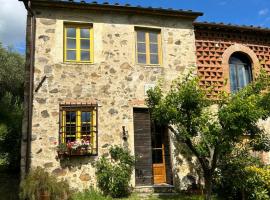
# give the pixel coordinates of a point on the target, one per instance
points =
(78, 128)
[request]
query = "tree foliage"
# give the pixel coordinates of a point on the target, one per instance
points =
(11, 97)
(11, 72)
(211, 128)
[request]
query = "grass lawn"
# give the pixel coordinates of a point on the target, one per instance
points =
(9, 188)
(93, 195)
(163, 197)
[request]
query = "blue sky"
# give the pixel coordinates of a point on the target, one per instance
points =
(241, 12)
(248, 12)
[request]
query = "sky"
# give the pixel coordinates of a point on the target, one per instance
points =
(241, 12)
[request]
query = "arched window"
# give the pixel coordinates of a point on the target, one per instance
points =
(240, 71)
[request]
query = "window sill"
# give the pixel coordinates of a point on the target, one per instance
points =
(78, 63)
(67, 154)
(150, 65)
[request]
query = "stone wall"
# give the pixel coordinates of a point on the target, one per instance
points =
(114, 80)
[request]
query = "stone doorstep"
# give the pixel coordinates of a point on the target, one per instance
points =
(145, 196)
(165, 188)
(163, 195)
(168, 194)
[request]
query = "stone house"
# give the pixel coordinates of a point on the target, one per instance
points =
(89, 66)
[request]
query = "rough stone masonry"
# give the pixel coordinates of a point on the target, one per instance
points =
(114, 80)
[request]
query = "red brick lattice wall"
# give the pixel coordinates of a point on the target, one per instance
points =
(210, 48)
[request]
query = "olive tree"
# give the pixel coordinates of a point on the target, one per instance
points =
(11, 98)
(209, 127)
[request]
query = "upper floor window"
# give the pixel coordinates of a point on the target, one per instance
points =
(78, 128)
(240, 71)
(78, 42)
(148, 46)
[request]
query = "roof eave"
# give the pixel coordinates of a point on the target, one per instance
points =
(118, 8)
(221, 26)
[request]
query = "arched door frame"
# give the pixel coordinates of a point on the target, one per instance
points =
(255, 64)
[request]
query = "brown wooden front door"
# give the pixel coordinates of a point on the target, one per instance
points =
(158, 154)
(159, 167)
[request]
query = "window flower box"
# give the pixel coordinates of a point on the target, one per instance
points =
(75, 148)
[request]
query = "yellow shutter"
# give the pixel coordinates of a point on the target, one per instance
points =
(65, 44)
(136, 47)
(147, 42)
(78, 45)
(78, 125)
(93, 131)
(91, 45)
(159, 49)
(63, 126)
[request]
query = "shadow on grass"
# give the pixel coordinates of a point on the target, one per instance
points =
(135, 196)
(182, 197)
(9, 186)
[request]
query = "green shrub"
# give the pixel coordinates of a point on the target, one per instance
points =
(258, 182)
(38, 182)
(232, 177)
(252, 183)
(89, 194)
(243, 176)
(113, 175)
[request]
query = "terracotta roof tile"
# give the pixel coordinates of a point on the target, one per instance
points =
(229, 26)
(118, 5)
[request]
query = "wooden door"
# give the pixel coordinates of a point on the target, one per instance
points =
(158, 153)
(143, 147)
(159, 169)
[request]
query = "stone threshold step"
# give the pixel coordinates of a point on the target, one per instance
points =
(159, 195)
(164, 188)
(156, 186)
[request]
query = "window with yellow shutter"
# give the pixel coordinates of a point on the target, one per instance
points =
(148, 46)
(78, 129)
(78, 43)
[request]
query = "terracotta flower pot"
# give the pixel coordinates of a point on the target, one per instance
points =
(61, 155)
(44, 196)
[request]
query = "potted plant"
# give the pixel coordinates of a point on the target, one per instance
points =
(62, 150)
(44, 195)
(41, 185)
(73, 148)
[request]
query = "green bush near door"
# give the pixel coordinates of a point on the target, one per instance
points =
(114, 173)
